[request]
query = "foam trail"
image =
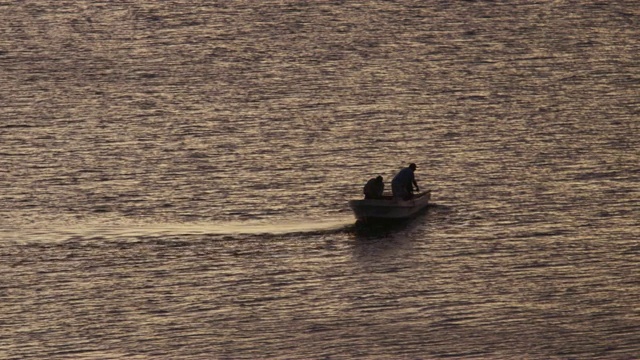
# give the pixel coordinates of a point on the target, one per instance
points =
(107, 231)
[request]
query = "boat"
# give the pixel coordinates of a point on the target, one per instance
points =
(389, 208)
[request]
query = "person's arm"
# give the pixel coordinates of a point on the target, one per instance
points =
(415, 183)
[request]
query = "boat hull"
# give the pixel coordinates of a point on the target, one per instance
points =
(389, 208)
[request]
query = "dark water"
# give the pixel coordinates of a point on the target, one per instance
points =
(175, 178)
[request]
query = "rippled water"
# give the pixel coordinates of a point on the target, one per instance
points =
(175, 178)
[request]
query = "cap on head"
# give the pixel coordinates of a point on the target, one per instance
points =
(379, 178)
(412, 166)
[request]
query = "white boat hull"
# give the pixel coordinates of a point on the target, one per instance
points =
(388, 207)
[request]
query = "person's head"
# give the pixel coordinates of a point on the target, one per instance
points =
(412, 166)
(379, 178)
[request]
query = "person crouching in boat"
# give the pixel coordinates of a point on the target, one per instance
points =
(402, 184)
(374, 188)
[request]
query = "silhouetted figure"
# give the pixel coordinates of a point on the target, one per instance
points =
(374, 188)
(402, 184)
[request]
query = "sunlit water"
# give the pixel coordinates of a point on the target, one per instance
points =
(175, 178)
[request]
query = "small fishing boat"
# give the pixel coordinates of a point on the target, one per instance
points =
(389, 208)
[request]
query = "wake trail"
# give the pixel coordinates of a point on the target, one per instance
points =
(123, 231)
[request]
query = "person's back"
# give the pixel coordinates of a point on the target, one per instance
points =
(374, 188)
(404, 177)
(402, 183)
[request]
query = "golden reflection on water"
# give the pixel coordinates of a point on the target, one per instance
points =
(175, 179)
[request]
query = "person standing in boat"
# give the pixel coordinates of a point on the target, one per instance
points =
(403, 183)
(374, 188)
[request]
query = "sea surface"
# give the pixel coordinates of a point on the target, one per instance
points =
(174, 179)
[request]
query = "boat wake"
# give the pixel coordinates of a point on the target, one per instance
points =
(124, 231)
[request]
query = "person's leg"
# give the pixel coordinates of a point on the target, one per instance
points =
(399, 191)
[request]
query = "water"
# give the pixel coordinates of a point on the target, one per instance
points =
(175, 178)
